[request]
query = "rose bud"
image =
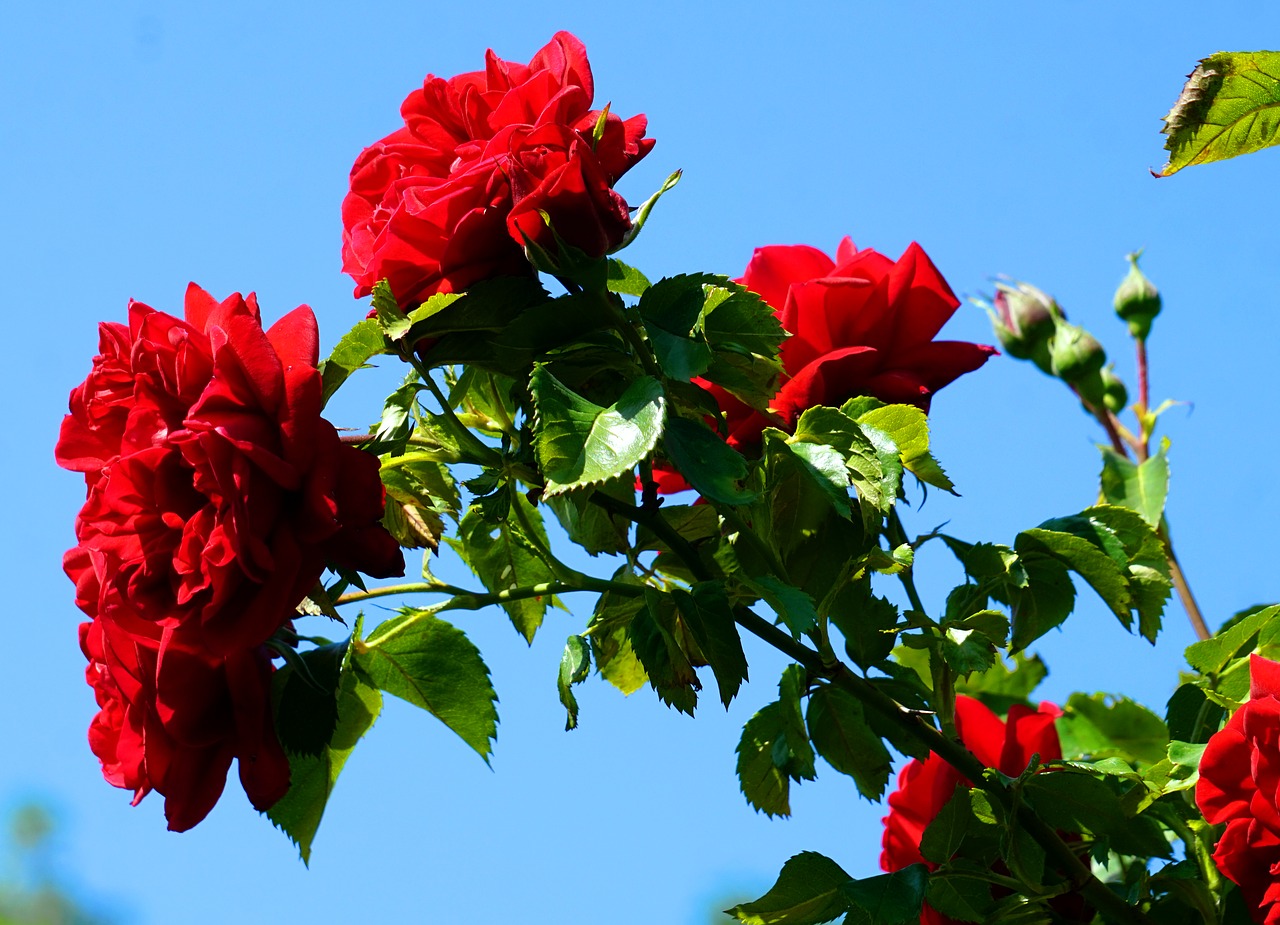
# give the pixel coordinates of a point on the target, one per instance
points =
(1076, 354)
(1137, 301)
(1114, 394)
(1023, 319)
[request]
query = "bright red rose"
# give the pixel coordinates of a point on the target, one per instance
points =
(861, 324)
(450, 198)
(1239, 786)
(217, 493)
(171, 719)
(924, 787)
(216, 497)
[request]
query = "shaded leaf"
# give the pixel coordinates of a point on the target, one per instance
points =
(1101, 725)
(808, 892)
(575, 665)
(889, 899)
(764, 783)
(656, 639)
(711, 466)
(839, 731)
(709, 618)
(355, 349)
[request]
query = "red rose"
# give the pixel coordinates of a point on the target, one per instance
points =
(452, 196)
(924, 787)
(1239, 786)
(216, 497)
(171, 719)
(860, 325)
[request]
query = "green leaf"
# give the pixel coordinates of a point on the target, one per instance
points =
(889, 899)
(503, 559)
(839, 731)
(579, 443)
(744, 334)
(1212, 655)
(794, 607)
(1101, 725)
(591, 526)
(312, 777)
(625, 280)
(876, 474)
(1045, 601)
(659, 643)
(1230, 105)
(307, 698)
(389, 317)
(908, 427)
(792, 687)
(710, 465)
(1079, 802)
(420, 493)
(808, 892)
(865, 620)
(396, 425)
(946, 833)
(709, 617)
(610, 642)
(422, 659)
(764, 781)
(352, 352)
(808, 483)
(1000, 687)
(575, 665)
(1084, 558)
(1141, 487)
(671, 310)
(965, 899)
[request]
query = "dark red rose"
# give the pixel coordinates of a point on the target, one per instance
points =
(924, 787)
(217, 494)
(1239, 786)
(171, 719)
(450, 198)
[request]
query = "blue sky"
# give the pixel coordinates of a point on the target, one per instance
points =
(149, 144)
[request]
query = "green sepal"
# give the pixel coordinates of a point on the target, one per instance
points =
(642, 214)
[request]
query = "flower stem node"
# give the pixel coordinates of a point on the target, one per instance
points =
(1137, 301)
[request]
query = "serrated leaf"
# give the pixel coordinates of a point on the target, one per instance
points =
(711, 466)
(793, 686)
(794, 607)
(840, 733)
(865, 620)
(575, 665)
(1212, 655)
(908, 427)
(961, 898)
(313, 777)
(946, 833)
(1100, 570)
(502, 558)
(889, 899)
(671, 310)
(1230, 105)
(709, 617)
(610, 644)
(999, 687)
(355, 349)
(624, 279)
(764, 782)
(658, 642)
(387, 312)
(807, 892)
(396, 425)
(1141, 487)
(1042, 605)
(580, 443)
(591, 526)
(744, 334)
(433, 665)
(1079, 802)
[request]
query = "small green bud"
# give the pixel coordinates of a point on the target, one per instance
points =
(1023, 318)
(1076, 354)
(1137, 301)
(1114, 394)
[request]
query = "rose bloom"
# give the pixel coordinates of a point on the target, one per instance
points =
(452, 197)
(1239, 786)
(217, 495)
(861, 324)
(924, 787)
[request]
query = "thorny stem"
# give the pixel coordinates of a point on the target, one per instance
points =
(1144, 391)
(474, 600)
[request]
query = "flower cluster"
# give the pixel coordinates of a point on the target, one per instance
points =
(1239, 787)
(924, 787)
(487, 162)
(216, 495)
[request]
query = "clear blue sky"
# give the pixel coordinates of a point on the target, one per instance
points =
(147, 144)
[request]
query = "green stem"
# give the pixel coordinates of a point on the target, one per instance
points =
(482, 453)
(474, 600)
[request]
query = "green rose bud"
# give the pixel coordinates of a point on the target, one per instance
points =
(1075, 354)
(1137, 301)
(1114, 394)
(1023, 318)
